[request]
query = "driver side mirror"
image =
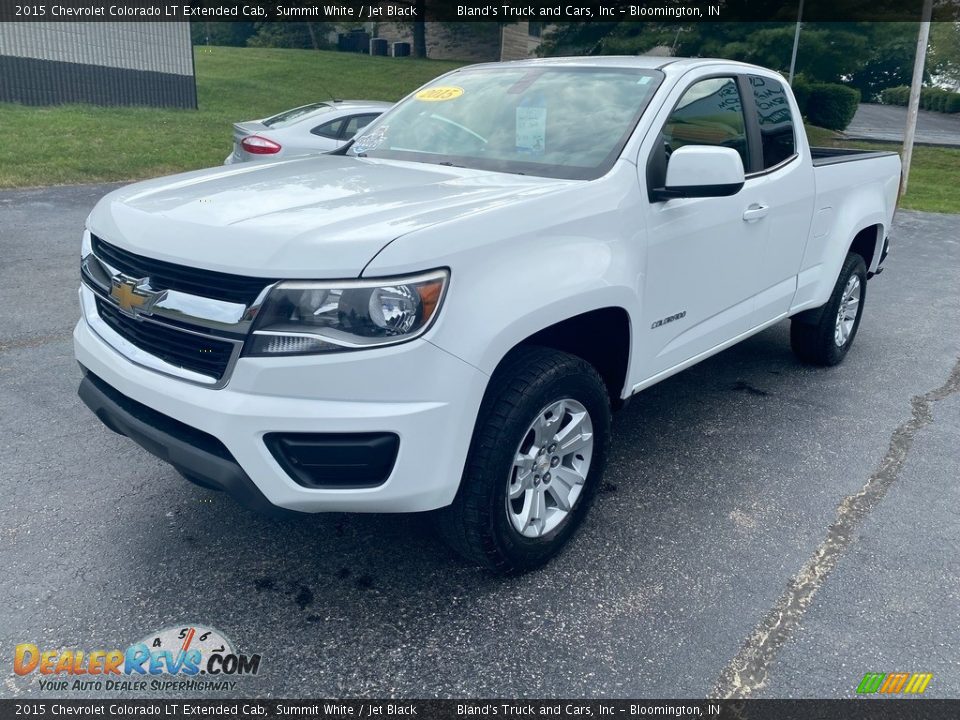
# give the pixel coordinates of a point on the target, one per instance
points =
(696, 171)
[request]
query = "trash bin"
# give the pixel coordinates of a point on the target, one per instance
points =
(401, 49)
(379, 46)
(353, 41)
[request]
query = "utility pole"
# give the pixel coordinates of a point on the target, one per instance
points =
(796, 43)
(914, 105)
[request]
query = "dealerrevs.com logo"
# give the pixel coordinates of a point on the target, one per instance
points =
(188, 657)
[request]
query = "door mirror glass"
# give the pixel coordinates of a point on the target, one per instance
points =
(703, 171)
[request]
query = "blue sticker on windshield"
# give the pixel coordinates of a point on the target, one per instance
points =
(369, 141)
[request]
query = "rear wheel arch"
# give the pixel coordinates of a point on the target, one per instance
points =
(867, 242)
(826, 341)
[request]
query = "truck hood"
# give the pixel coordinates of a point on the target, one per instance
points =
(311, 217)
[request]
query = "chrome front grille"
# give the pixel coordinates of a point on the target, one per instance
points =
(164, 275)
(173, 319)
(199, 353)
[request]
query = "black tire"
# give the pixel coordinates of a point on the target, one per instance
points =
(812, 334)
(477, 525)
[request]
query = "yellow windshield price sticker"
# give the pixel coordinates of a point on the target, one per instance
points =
(439, 93)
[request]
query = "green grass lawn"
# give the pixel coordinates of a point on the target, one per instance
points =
(81, 143)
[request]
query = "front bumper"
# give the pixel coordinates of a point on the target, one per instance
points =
(423, 395)
(190, 451)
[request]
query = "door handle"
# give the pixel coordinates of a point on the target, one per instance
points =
(754, 212)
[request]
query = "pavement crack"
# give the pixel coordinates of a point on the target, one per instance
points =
(749, 670)
(35, 341)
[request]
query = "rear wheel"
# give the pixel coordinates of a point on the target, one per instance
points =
(826, 339)
(536, 458)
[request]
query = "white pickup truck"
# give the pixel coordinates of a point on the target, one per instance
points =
(442, 315)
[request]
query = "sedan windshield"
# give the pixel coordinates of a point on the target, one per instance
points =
(563, 122)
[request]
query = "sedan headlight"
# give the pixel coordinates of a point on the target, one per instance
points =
(299, 318)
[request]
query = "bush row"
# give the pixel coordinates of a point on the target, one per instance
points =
(936, 99)
(828, 105)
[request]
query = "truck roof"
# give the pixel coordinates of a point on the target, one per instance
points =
(646, 62)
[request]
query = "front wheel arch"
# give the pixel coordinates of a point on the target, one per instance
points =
(477, 525)
(602, 337)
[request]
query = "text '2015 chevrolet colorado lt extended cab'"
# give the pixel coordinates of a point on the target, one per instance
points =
(441, 315)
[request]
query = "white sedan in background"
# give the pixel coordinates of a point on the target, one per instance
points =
(315, 128)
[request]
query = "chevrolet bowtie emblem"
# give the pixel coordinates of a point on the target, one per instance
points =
(133, 295)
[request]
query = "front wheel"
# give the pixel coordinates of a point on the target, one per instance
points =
(536, 458)
(827, 340)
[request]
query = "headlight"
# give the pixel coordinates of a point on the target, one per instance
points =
(300, 318)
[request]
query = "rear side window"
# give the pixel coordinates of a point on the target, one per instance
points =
(709, 113)
(329, 130)
(775, 120)
(355, 123)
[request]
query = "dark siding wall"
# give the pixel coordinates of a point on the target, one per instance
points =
(103, 63)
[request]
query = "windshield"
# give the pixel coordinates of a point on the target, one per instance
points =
(564, 122)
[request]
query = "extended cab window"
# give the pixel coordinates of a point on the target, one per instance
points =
(775, 119)
(709, 113)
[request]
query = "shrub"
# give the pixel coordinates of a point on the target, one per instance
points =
(895, 95)
(832, 106)
(935, 99)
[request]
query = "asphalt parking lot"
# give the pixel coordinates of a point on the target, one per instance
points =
(766, 529)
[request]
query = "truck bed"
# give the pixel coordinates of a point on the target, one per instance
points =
(832, 155)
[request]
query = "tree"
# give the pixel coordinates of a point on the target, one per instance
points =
(890, 62)
(944, 55)
(290, 35)
(869, 56)
(221, 33)
(419, 30)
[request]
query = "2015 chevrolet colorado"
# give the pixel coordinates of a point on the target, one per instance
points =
(441, 315)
